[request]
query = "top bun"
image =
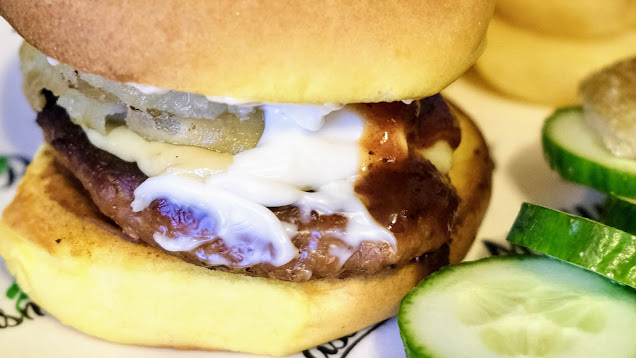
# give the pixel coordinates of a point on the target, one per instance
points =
(318, 51)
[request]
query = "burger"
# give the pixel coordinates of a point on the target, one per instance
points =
(255, 176)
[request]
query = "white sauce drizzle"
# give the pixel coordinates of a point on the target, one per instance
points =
(53, 62)
(303, 147)
(147, 89)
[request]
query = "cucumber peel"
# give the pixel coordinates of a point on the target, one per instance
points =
(619, 213)
(583, 242)
(578, 155)
(518, 306)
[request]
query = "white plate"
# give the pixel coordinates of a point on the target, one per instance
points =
(511, 128)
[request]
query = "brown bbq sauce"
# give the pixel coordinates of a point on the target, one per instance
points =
(398, 186)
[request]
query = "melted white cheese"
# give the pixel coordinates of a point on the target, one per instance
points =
(157, 158)
(302, 148)
(440, 154)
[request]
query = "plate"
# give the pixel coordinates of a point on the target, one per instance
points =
(512, 130)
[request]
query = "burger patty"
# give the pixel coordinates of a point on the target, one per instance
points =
(407, 195)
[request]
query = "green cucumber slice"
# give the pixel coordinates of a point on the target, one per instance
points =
(619, 213)
(574, 151)
(584, 242)
(518, 306)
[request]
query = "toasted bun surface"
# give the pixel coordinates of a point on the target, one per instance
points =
(73, 262)
(345, 51)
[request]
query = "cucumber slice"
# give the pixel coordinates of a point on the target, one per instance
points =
(584, 242)
(518, 306)
(574, 151)
(620, 213)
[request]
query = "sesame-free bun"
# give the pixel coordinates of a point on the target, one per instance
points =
(321, 51)
(74, 263)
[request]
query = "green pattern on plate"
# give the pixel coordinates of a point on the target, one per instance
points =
(4, 162)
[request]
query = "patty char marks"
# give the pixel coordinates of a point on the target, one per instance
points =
(410, 197)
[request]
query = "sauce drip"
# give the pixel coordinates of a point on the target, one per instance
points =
(402, 190)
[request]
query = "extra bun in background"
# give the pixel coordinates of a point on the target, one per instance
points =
(580, 18)
(265, 51)
(533, 66)
(68, 258)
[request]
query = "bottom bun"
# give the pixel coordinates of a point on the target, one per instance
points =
(76, 264)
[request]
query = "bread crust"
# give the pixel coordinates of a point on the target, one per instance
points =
(74, 262)
(346, 51)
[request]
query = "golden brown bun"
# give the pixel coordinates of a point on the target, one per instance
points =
(343, 51)
(546, 69)
(72, 262)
